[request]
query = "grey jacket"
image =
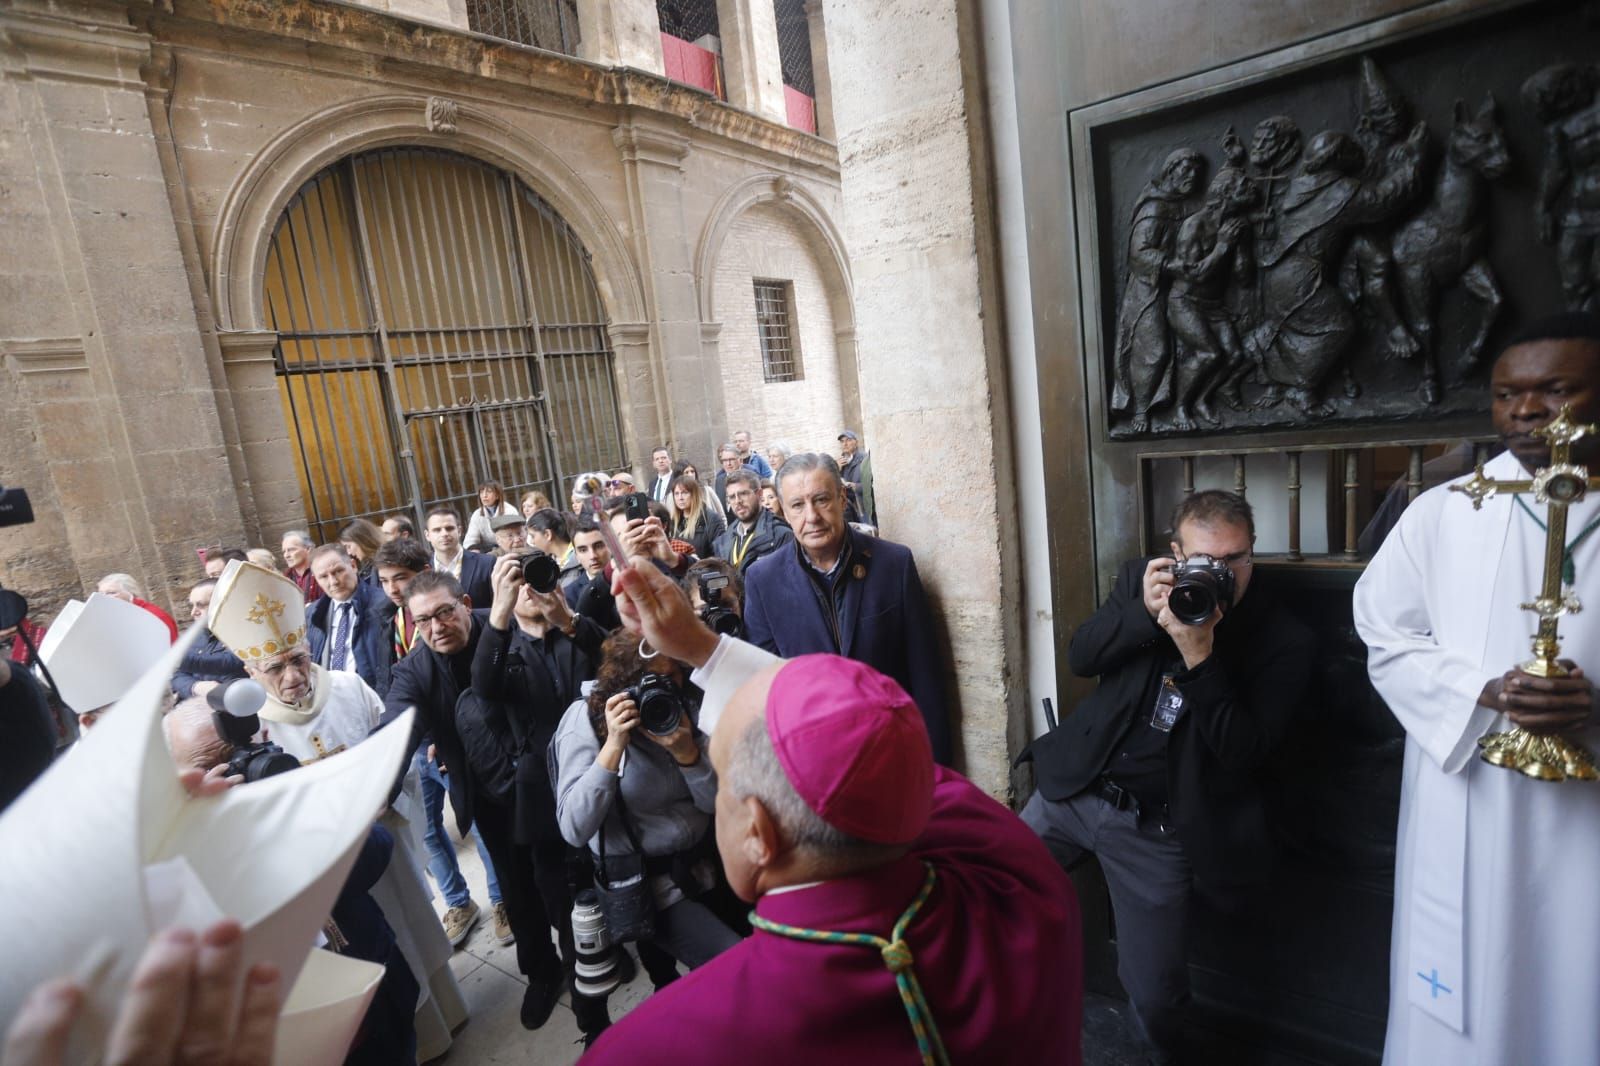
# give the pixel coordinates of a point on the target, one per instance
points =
(670, 806)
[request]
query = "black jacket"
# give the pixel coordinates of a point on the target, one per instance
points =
(704, 534)
(427, 681)
(210, 660)
(1238, 705)
(367, 642)
(529, 684)
(768, 536)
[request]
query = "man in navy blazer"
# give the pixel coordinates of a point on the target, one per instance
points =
(472, 569)
(846, 593)
(365, 654)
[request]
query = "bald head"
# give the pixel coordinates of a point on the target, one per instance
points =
(191, 737)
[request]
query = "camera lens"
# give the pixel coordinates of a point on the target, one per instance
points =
(660, 704)
(541, 571)
(261, 761)
(596, 965)
(1193, 599)
(723, 622)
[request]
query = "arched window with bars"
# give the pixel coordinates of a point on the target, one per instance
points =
(438, 325)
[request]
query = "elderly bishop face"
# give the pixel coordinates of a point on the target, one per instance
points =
(823, 769)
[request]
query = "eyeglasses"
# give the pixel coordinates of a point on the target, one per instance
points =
(301, 662)
(617, 483)
(426, 621)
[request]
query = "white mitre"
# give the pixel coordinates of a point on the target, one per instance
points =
(96, 649)
(106, 848)
(256, 612)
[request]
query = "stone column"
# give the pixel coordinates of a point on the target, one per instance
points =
(918, 227)
(819, 69)
(644, 424)
(273, 500)
(750, 61)
(149, 477)
(688, 385)
(621, 33)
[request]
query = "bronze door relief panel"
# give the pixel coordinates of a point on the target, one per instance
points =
(1341, 242)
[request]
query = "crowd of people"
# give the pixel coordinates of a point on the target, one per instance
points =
(677, 698)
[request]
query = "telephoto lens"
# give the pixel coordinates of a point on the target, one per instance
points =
(541, 571)
(596, 969)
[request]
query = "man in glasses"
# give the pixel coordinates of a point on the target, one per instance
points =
(432, 679)
(1153, 773)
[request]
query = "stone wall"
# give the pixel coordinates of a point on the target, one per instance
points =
(907, 104)
(145, 168)
(769, 243)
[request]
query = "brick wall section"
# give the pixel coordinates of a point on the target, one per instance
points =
(770, 242)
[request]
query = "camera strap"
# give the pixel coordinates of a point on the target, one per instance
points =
(627, 829)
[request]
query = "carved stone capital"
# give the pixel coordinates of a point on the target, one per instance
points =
(94, 45)
(245, 347)
(629, 334)
(661, 147)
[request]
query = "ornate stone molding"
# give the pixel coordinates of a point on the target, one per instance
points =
(443, 114)
(55, 355)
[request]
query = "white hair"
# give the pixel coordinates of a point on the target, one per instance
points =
(300, 535)
(754, 770)
(125, 582)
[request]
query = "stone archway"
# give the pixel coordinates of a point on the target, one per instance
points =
(804, 207)
(254, 204)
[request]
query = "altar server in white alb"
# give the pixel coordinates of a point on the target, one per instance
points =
(313, 713)
(1495, 957)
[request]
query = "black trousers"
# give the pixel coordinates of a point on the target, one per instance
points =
(536, 892)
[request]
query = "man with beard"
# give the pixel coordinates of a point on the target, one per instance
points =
(754, 533)
(1144, 342)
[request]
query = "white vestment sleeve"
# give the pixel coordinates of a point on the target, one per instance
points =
(731, 665)
(1433, 690)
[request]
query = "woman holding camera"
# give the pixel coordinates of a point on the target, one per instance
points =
(692, 521)
(636, 786)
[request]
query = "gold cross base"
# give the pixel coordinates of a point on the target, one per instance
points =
(1545, 756)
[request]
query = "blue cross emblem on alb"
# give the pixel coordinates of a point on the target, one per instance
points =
(1434, 985)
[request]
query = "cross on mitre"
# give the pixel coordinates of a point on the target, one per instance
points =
(267, 612)
(1548, 757)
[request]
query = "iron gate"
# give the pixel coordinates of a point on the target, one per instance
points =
(438, 325)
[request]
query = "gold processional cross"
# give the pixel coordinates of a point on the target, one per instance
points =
(1546, 756)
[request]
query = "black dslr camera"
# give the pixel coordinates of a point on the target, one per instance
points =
(1201, 585)
(541, 571)
(713, 612)
(233, 713)
(661, 704)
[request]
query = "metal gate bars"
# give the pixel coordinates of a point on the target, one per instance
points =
(438, 325)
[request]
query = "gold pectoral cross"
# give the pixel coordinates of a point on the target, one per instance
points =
(1546, 756)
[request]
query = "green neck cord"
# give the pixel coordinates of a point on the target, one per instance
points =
(1569, 569)
(896, 956)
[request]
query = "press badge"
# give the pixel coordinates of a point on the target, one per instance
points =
(1169, 706)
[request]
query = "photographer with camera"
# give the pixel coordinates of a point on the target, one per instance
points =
(524, 675)
(634, 784)
(754, 532)
(1153, 772)
(716, 591)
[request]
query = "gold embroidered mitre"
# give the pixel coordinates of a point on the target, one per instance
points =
(256, 612)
